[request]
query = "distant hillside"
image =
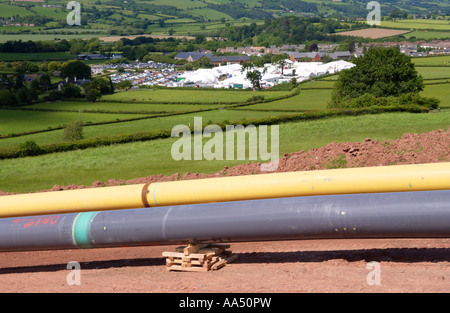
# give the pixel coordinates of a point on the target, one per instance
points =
(130, 17)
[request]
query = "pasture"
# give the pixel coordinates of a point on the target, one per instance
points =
(192, 95)
(412, 24)
(165, 108)
(426, 34)
(35, 120)
(432, 61)
(140, 159)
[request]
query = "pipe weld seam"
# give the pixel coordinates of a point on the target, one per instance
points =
(144, 195)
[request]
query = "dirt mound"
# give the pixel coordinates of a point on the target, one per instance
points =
(428, 147)
(404, 265)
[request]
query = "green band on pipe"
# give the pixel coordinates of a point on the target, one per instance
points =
(81, 229)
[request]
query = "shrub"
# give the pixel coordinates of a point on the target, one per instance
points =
(92, 94)
(11, 153)
(73, 131)
(257, 98)
(29, 148)
(382, 72)
(368, 100)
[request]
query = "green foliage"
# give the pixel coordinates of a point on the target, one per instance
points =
(73, 131)
(92, 94)
(76, 69)
(124, 84)
(104, 85)
(69, 91)
(7, 98)
(382, 72)
(257, 98)
(369, 100)
(158, 134)
(53, 95)
(29, 148)
(339, 162)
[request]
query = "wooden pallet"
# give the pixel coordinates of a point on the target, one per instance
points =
(199, 257)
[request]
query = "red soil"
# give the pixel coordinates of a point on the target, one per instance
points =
(406, 265)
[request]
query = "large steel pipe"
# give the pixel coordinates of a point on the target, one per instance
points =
(400, 178)
(376, 215)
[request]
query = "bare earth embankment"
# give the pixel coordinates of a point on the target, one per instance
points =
(406, 265)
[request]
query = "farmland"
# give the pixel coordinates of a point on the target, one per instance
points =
(416, 24)
(182, 17)
(192, 96)
(426, 35)
(153, 157)
(373, 33)
(127, 134)
(111, 116)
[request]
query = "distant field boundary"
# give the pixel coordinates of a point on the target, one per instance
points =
(13, 153)
(374, 33)
(131, 37)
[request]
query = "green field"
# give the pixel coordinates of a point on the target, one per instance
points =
(441, 91)
(143, 125)
(134, 160)
(434, 72)
(8, 11)
(119, 107)
(201, 96)
(35, 120)
(425, 34)
(432, 61)
(183, 28)
(153, 157)
(183, 5)
(307, 100)
(417, 24)
(44, 37)
(41, 56)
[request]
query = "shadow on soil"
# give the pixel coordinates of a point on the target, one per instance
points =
(405, 255)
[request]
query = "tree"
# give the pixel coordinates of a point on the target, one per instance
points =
(76, 47)
(313, 47)
(71, 91)
(76, 69)
(382, 72)
(45, 82)
(280, 61)
(7, 98)
(92, 94)
(103, 85)
(73, 131)
(29, 148)
(253, 74)
(125, 84)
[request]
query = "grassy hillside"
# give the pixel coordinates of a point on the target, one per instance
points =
(153, 157)
(142, 16)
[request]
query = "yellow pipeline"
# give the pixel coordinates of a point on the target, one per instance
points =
(397, 178)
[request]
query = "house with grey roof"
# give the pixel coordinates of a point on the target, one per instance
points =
(229, 59)
(317, 56)
(192, 56)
